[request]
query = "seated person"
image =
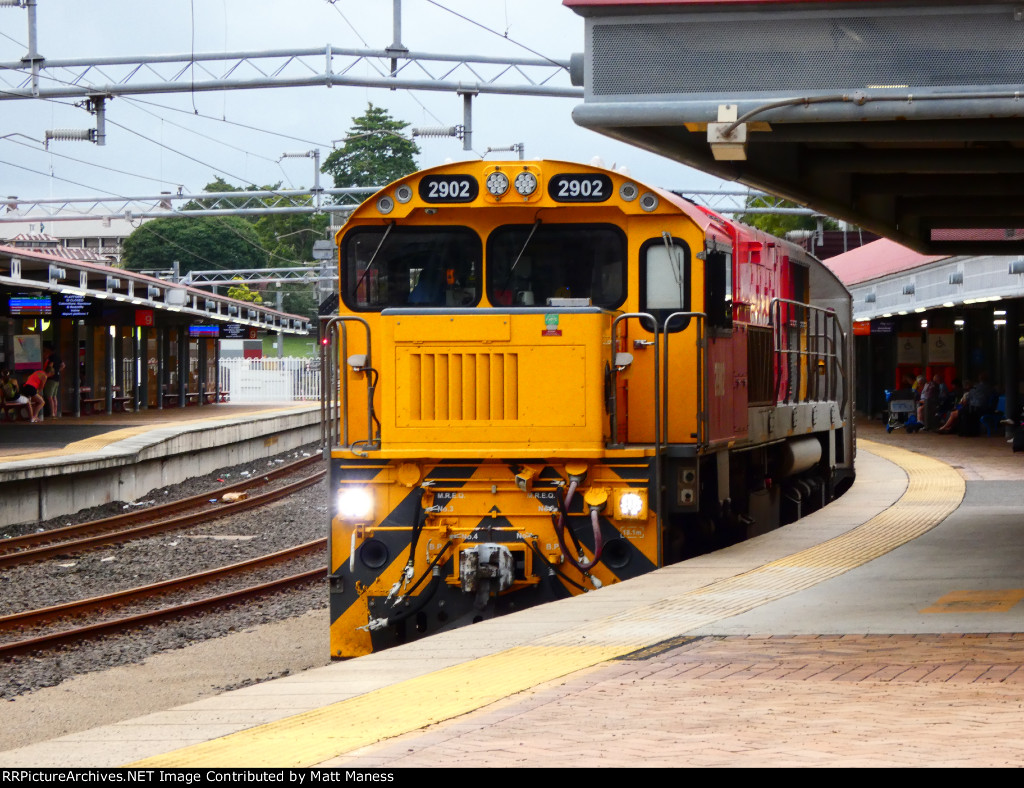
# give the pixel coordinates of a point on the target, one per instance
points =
(10, 392)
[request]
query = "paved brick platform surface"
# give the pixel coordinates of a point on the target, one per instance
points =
(854, 701)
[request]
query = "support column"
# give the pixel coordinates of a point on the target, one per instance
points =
(1011, 361)
(108, 363)
(182, 365)
(161, 366)
(216, 370)
(74, 368)
(201, 377)
(138, 380)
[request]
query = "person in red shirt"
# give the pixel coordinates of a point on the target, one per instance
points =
(33, 389)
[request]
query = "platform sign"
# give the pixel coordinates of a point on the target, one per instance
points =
(145, 317)
(235, 331)
(940, 346)
(74, 306)
(883, 326)
(909, 349)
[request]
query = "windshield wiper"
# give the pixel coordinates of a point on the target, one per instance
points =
(373, 257)
(508, 276)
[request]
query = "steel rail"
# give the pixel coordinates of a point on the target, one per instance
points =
(8, 623)
(100, 532)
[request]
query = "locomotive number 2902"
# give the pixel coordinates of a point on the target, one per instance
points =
(448, 188)
(573, 187)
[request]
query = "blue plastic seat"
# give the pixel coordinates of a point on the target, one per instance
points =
(990, 421)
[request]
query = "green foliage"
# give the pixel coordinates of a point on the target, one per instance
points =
(375, 153)
(199, 243)
(301, 301)
(778, 224)
(241, 292)
(287, 237)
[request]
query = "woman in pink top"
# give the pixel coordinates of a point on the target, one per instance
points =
(33, 389)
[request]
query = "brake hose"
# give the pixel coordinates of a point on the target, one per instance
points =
(563, 513)
(543, 559)
(421, 602)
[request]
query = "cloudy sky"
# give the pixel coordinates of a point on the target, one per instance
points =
(162, 142)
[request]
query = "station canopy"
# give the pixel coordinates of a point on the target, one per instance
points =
(904, 117)
(24, 271)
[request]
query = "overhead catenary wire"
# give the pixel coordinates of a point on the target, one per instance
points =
(93, 164)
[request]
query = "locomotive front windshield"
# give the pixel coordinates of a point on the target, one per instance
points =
(395, 266)
(531, 264)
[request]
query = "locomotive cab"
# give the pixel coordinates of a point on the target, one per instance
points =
(544, 378)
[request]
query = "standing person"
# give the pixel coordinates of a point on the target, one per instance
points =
(33, 389)
(931, 394)
(52, 393)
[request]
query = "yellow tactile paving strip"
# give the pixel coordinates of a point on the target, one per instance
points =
(100, 442)
(934, 491)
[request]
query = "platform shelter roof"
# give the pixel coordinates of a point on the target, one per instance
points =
(877, 259)
(899, 116)
(50, 272)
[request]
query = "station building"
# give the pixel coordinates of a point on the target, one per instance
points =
(955, 316)
(127, 340)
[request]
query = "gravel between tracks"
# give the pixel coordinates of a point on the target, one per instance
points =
(299, 518)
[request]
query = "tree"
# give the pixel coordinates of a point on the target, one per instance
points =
(198, 244)
(778, 224)
(241, 292)
(287, 237)
(375, 152)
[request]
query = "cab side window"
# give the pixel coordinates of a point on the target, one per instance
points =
(718, 289)
(665, 280)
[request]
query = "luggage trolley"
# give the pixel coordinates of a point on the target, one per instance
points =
(902, 413)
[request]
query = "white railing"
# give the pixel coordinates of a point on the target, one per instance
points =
(270, 379)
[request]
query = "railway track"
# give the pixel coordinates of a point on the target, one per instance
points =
(156, 519)
(108, 613)
(12, 624)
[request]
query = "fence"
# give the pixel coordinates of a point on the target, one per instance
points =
(270, 379)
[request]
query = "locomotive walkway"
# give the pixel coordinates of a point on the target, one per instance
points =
(881, 631)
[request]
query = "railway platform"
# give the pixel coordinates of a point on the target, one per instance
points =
(65, 465)
(883, 630)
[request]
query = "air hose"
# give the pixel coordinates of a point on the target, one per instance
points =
(560, 520)
(421, 601)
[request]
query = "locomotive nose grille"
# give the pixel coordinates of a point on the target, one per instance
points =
(463, 386)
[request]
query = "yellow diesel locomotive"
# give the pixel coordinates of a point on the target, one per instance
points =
(545, 377)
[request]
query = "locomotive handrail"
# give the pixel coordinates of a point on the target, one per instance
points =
(614, 394)
(333, 381)
(702, 379)
(833, 352)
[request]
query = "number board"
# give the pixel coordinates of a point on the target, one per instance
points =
(448, 188)
(580, 187)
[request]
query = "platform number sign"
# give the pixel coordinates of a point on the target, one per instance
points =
(448, 188)
(580, 187)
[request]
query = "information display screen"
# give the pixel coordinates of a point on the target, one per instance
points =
(204, 331)
(72, 305)
(22, 305)
(234, 331)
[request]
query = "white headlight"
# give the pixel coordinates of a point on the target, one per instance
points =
(497, 183)
(630, 505)
(526, 183)
(355, 504)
